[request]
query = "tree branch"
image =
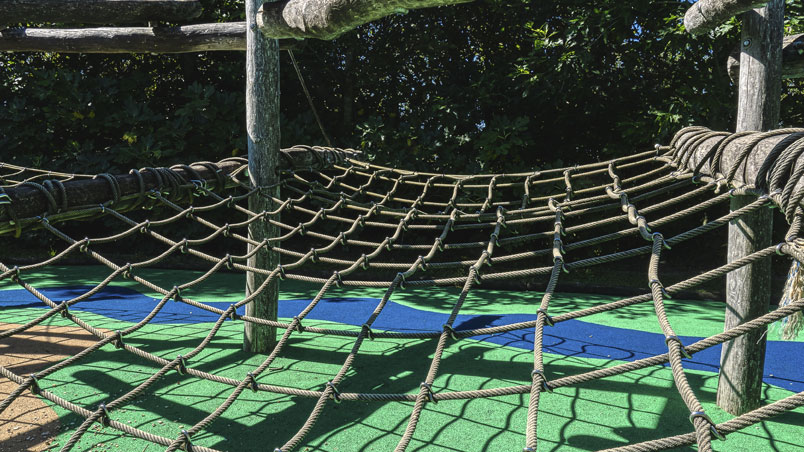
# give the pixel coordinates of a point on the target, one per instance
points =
(188, 38)
(328, 19)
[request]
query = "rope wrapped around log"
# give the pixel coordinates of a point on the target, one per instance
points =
(35, 197)
(767, 163)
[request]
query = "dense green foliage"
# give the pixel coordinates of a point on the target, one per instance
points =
(496, 85)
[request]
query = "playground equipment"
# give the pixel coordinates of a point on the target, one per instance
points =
(760, 168)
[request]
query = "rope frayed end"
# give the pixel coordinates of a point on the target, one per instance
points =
(793, 324)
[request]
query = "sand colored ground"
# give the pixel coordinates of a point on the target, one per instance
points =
(29, 424)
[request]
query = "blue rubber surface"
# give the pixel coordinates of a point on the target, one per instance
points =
(571, 338)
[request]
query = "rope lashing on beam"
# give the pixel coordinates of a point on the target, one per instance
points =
(29, 192)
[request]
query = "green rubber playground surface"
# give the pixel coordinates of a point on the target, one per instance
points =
(606, 413)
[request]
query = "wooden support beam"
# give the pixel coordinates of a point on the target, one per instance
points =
(97, 11)
(706, 15)
(28, 202)
(748, 288)
(262, 128)
(328, 19)
(792, 59)
(230, 36)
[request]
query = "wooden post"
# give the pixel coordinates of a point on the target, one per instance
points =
(748, 289)
(706, 15)
(262, 127)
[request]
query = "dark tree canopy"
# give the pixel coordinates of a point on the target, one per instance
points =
(495, 85)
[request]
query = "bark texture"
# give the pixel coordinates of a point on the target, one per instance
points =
(262, 127)
(188, 38)
(706, 15)
(328, 19)
(97, 11)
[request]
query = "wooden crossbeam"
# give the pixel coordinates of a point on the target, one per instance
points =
(748, 288)
(328, 19)
(188, 38)
(706, 15)
(97, 11)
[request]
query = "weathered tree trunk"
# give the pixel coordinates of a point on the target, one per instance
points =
(97, 11)
(262, 127)
(706, 15)
(328, 19)
(229, 36)
(742, 360)
(792, 59)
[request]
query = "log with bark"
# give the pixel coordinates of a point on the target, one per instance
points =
(698, 146)
(328, 19)
(742, 359)
(28, 202)
(706, 15)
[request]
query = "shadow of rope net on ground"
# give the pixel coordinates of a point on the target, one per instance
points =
(351, 225)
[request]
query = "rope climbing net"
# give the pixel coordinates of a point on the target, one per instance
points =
(372, 226)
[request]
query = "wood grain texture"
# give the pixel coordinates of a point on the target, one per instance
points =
(792, 59)
(230, 36)
(742, 360)
(97, 11)
(262, 128)
(706, 15)
(748, 288)
(328, 19)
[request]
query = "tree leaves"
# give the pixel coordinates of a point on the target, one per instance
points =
(493, 85)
